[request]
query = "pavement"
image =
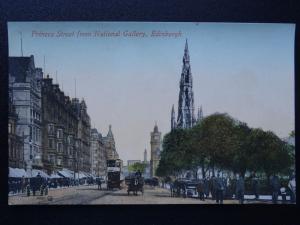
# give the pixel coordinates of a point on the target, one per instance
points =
(90, 195)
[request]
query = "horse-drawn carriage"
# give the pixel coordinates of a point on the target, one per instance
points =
(135, 184)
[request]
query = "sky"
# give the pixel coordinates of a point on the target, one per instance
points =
(245, 70)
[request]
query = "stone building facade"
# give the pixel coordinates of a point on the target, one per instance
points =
(109, 143)
(15, 142)
(25, 84)
(98, 154)
(82, 143)
(59, 128)
(156, 146)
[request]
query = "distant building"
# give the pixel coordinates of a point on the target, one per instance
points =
(109, 143)
(25, 84)
(131, 162)
(145, 155)
(289, 140)
(155, 150)
(98, 154)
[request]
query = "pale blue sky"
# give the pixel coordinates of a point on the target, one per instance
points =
(246, 70)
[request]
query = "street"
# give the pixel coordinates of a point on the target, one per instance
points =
(90, 195)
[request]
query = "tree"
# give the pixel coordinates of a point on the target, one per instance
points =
(292, 134)
(175, 156)
(269, 154)
(217, 140)
(137, 167)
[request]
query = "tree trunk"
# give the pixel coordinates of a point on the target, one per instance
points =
(203, 171)
(213, 170)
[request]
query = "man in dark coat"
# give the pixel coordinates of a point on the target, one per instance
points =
(240, 189)
(275, 186)
(213, 187)
(99, 183)
(255, 185)
(200, 190)
(219, 189)
(206, 187)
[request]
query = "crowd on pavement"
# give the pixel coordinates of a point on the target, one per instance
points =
(42, 185)
(219, 188)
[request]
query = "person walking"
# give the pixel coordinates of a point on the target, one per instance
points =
(213, 187)
(99, 183)
(200, 190)
(206, 187)
(283, 194)
(172, 189)
(275, 186)
(23, 184)
(292, 188)
(240, 188)
(255, 186)
(219, 189)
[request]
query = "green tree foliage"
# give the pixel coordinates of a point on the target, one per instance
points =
(175, 155)
(137, 167)
(223, 142)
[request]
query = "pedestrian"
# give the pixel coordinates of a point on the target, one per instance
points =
(206, 187)
(240, 188)
(255, 185)
(28, 187)
(275, 185)
(213, 187)
(200, 190)
(283, 194)
(23, 184)
(219, 189)
(292, 188)
(172, 189)
(99, 184)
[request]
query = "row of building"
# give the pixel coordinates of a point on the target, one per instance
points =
(48, 130)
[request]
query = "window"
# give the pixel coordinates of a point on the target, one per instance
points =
(70, 141)
(34, 134)
(52, 159)
(50, 128)
(37, 134)
(9, 128)
(59, 161)
(30, 133)
(59, 133)
(51, 143)
(59, 147)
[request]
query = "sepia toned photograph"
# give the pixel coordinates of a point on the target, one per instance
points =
(105, 113)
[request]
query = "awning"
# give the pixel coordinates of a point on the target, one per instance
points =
(80, 175)
(66, 173)
(35, 172)
(17, 172)
(55, 175)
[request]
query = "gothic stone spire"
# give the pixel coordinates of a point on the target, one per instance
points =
(186, 117)
(173, 121)
(200, 114)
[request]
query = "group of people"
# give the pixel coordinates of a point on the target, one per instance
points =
(41, 184)
(221, 188)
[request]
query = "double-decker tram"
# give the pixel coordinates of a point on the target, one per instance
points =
(114, 173)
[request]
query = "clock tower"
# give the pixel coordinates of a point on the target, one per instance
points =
(155, 150)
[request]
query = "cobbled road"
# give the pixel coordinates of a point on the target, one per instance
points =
(90, 195)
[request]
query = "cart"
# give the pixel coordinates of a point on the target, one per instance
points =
(135, 185)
